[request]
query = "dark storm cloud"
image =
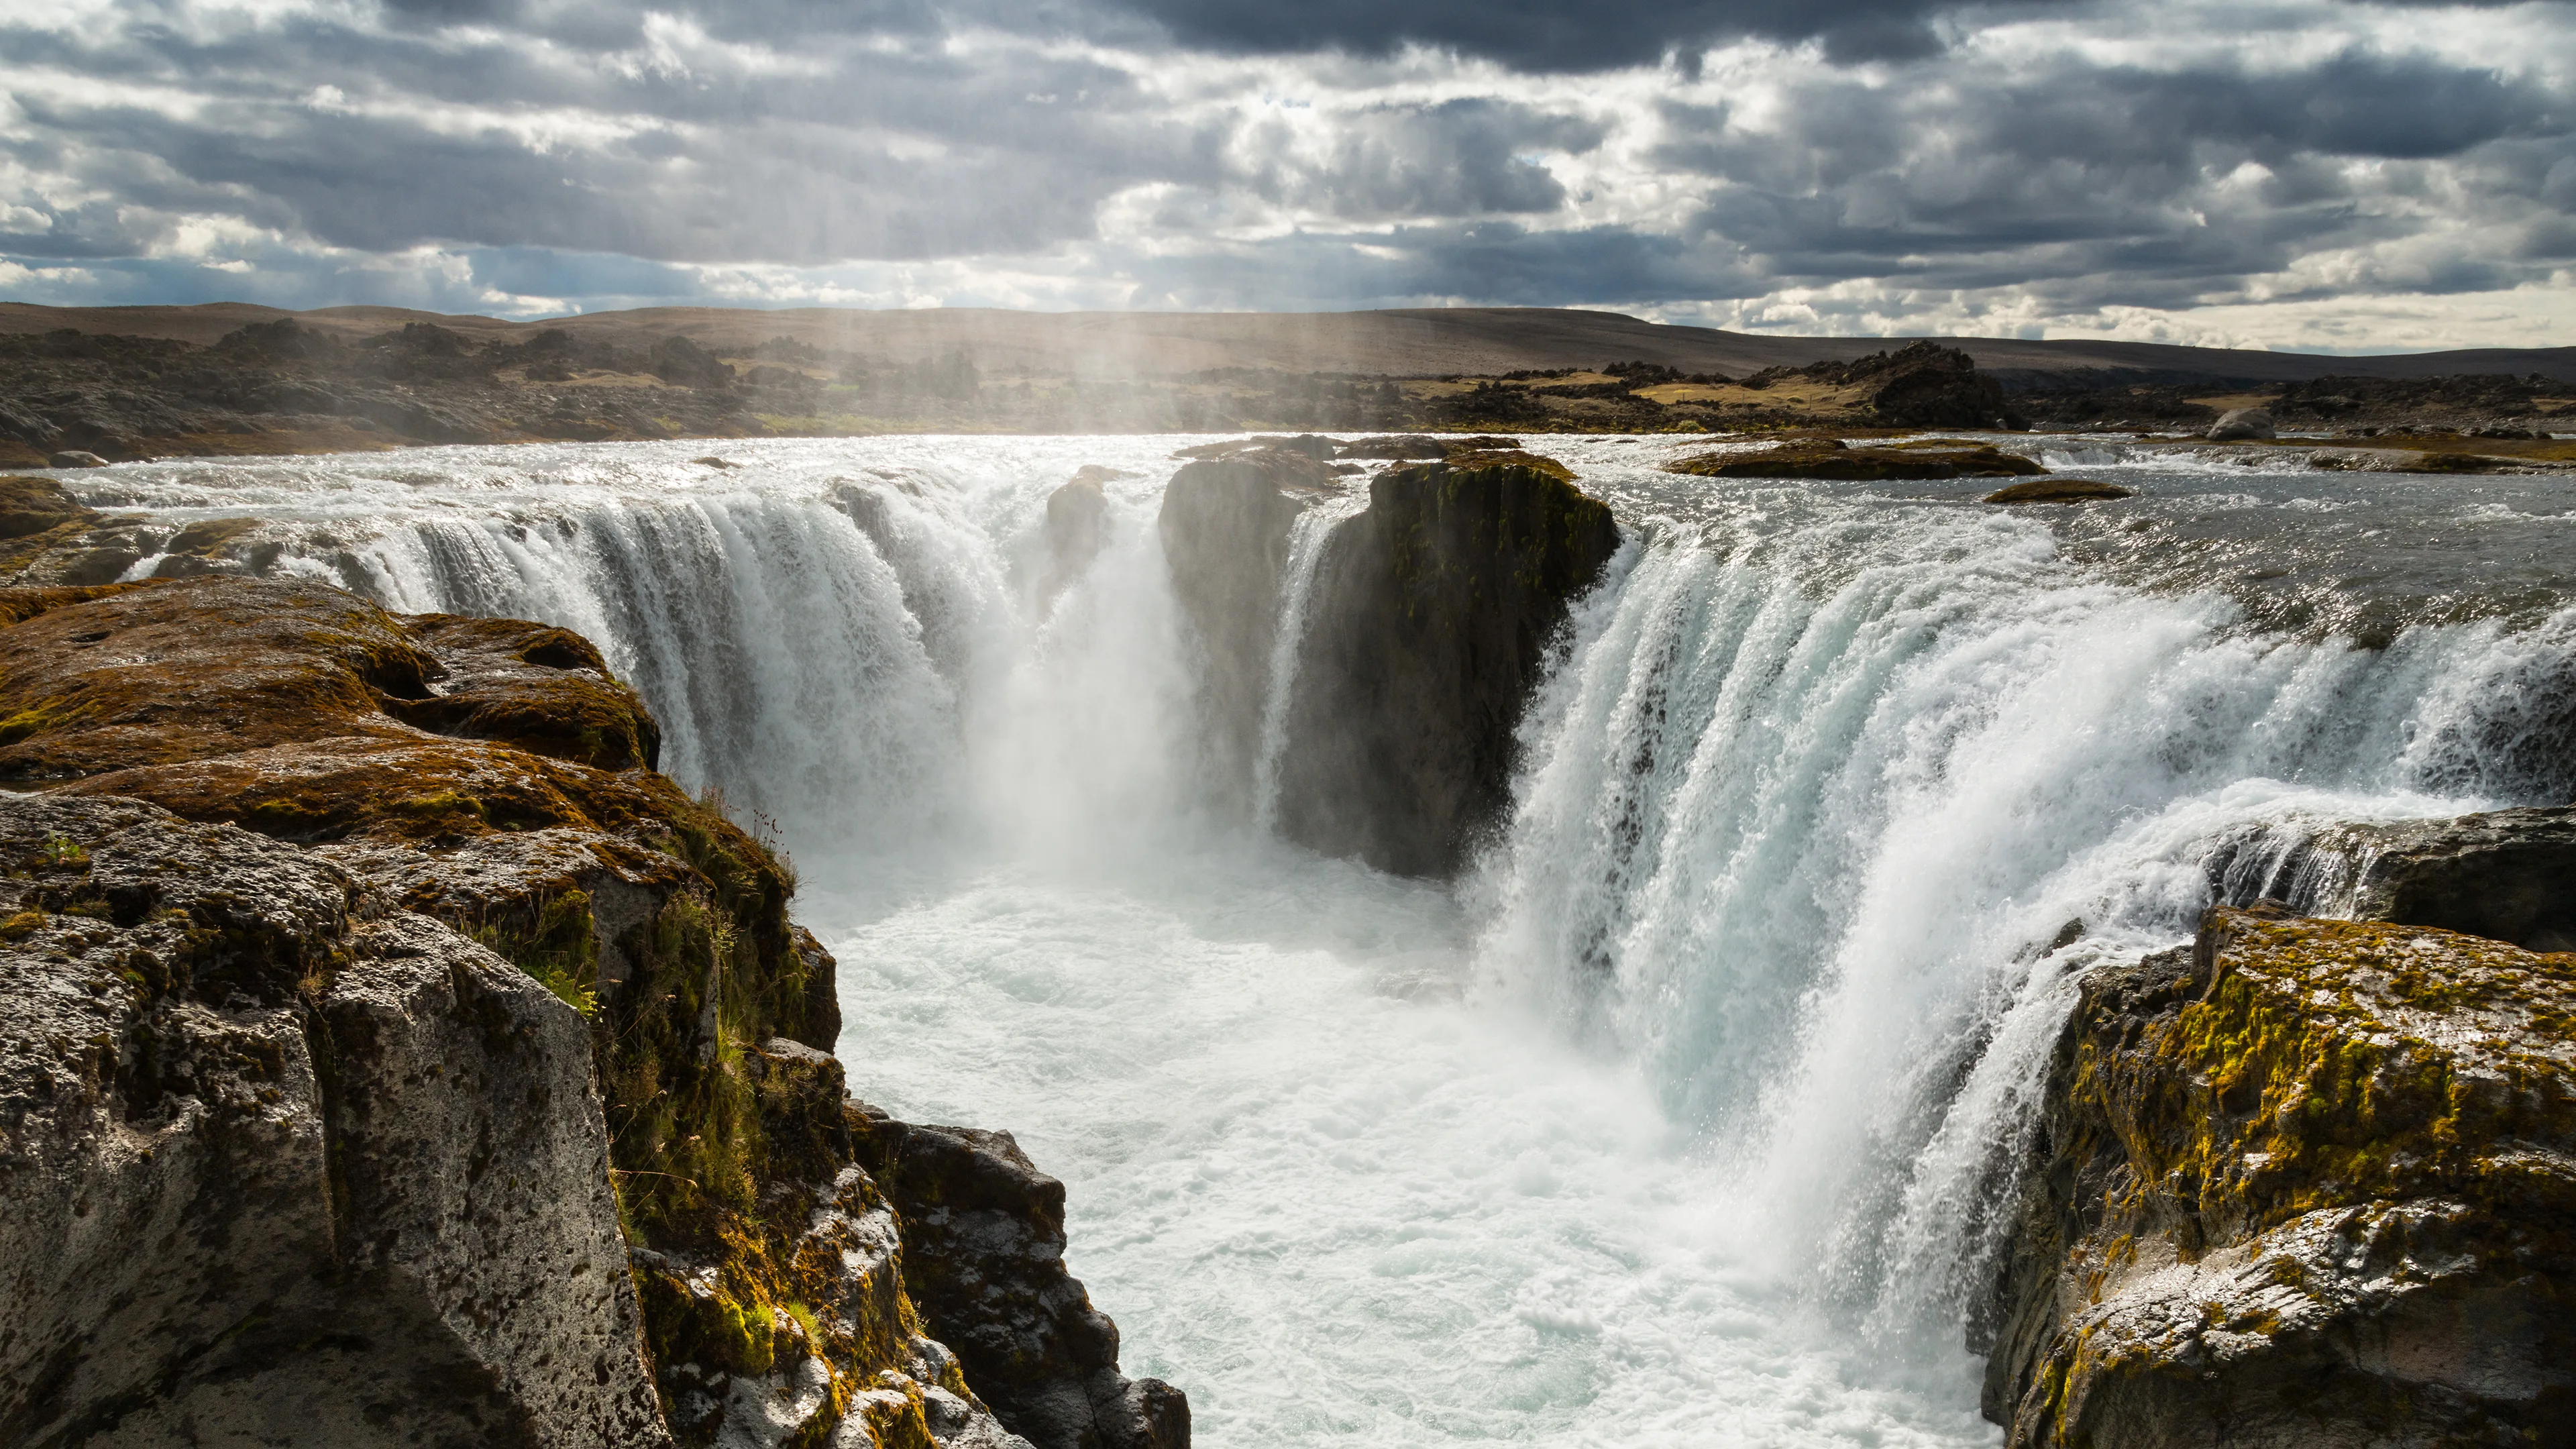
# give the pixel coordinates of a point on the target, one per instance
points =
(885, 153)
(1550, 35)
(2136, 178)
(1460, 157)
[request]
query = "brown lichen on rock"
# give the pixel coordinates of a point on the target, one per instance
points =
(311, 714)
(2309, 1182)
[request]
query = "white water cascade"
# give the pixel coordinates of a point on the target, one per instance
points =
(1306, 541)
(1681, 1121)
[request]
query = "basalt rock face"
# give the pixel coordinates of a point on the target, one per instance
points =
(1430, 622)
(2509, 875)
(391, 1055)
(283, 1163)
(985, 1231)
(2307, 1182)
(1225, 525)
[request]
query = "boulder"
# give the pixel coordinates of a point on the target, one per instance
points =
(2238, 424)
(1831, 458)
(2060, 490)
(2508, 875)
(985, 1264)
(1224, 526)
(2305, 1182)
(74, 459)
(1429, 625)
(1077, 517)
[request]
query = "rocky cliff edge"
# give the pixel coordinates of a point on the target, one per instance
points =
(388, 1054)
(2308, 1182)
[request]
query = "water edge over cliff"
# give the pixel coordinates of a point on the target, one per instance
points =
(1710, 1062)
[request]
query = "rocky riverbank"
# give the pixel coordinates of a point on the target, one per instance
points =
(389, 1054)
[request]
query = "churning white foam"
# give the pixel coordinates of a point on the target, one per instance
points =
(1685, 1120)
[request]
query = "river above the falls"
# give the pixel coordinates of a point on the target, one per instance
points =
(1688, 1116)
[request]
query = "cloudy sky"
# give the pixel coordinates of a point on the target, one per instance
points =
(2315, 174)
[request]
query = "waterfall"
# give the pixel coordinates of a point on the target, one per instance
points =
(850, 651)
(1297, 590)
(1831, 798)
(1817, 826)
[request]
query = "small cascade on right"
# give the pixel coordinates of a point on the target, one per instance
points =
(1828, 808)
(1306, 541)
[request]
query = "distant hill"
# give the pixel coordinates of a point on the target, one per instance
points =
(1408, 342)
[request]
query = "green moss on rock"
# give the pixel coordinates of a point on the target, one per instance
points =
(2297, 1139)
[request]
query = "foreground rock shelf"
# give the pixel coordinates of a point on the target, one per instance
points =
(2307, 1182)
(388, 1054)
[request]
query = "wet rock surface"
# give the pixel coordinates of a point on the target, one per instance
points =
(464, 1068)
(985, 1231)
(2060, 490)
(1830, 458)
(1432, 614)
(1225, 525)
(2306, 1182)
(2509, 875)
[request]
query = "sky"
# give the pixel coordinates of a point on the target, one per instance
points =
(2308, 174)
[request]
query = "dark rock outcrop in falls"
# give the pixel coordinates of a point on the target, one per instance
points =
(2509, 875)
(1077, 525)
(2306, 1182)
(1225, 525)
(1429, 625)
(2060, 490)
(389, 1054)
(1834, 459)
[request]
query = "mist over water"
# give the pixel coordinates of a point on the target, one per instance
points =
(1684, 1119)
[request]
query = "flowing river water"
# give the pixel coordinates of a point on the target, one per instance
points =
(1684, 1118)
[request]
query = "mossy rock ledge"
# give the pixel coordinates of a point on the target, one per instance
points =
(390, 1055)
(2304, 1182)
